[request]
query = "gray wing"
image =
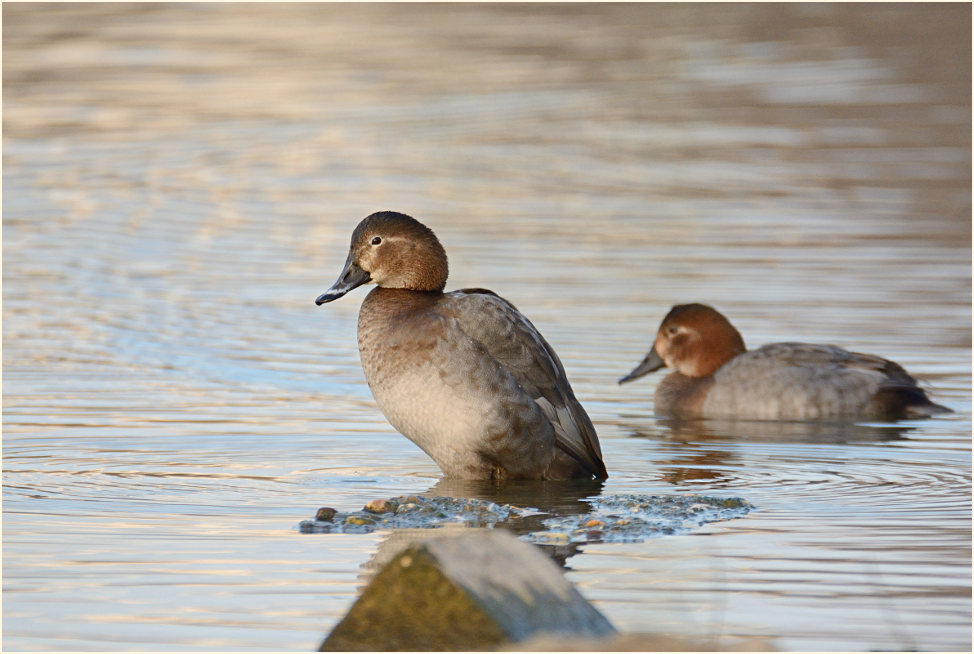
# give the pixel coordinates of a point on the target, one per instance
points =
(835, 357)
(516, 344)
(807, 381)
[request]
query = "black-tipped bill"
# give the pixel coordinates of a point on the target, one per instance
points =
(351, 277)
(652, 362)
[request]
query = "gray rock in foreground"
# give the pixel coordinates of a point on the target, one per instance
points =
(473, 591)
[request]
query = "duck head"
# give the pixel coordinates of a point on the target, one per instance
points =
(391, 250)
(693, 339)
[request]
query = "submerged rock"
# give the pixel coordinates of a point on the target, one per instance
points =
(477, 589)
(412, 511)
(633, 518)
(615, 518)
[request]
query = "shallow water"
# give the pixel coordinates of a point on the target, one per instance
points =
(180, 182)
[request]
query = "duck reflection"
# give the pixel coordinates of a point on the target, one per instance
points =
(693, 463)
(696, 454)
(558, 498)
(769, 431)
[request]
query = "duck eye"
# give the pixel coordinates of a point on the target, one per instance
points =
(672, 330)
(377, 240)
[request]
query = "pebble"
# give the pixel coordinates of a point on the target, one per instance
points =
(325, 514)
(381, 506)
(358, 520)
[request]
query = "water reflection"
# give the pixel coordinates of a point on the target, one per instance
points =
(707, 450)
(769, 431)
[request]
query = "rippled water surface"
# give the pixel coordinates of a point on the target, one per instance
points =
(180, 182)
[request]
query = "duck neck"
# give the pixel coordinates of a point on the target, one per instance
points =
(390, 302)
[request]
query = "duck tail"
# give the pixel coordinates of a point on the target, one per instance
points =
(907, 401)
(926, 409)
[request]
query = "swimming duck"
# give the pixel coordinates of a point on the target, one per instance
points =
(464, 375)
(717, 377)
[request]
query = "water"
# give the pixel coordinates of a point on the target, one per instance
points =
(180, 182)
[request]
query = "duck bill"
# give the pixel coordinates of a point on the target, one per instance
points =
(652, 362)
(351, 277)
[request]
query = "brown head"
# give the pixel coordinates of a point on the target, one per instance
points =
(694, 339)
(392, 250)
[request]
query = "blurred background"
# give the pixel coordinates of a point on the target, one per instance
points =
(180, 181)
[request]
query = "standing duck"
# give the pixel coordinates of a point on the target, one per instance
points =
(717, 377)
(462, 374)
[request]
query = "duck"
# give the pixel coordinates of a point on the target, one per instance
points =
(716, 376)
(462, 374)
